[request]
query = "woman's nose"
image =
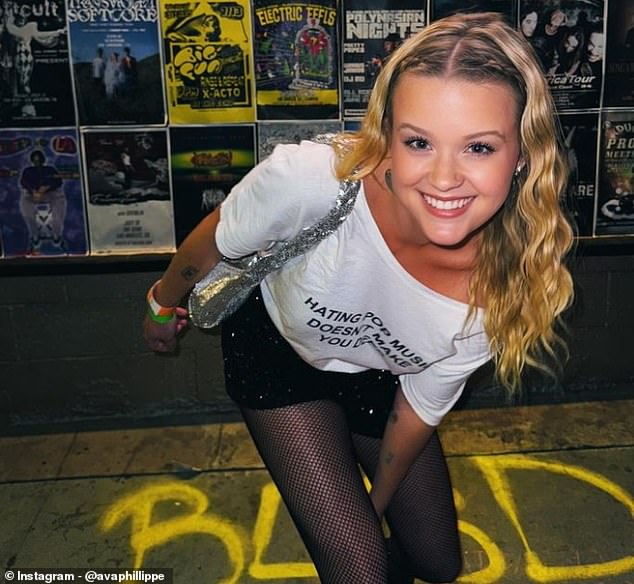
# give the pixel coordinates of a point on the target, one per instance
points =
(445, 173)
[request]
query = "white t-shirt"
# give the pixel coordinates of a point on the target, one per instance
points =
(347, 304)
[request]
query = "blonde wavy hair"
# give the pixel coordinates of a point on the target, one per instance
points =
(519, 271)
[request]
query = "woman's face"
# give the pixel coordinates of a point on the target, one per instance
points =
(454, 147)
(557, 18)
(595, 47)
(529, 24)
(571, 43)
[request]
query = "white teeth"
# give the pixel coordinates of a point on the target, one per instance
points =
(447, 205)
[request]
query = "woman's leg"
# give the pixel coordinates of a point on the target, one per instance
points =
(422, 516)
(308, 452)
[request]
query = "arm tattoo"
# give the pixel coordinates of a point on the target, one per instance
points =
(389, 457)
(189, 272)
(393, 417)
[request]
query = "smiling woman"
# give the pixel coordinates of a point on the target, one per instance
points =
(517, 273)
(353, 352)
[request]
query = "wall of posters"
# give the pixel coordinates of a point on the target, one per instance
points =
(208, 61)
(615, 203)
(41, 201)
(115, 62)
(372, 30)
(35, 88)
(128, 198)
(296, 59)
(233, 78)
(207, 161)
(569, 39)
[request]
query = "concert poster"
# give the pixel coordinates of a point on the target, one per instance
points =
(296, 59)
(372, 30)
(128, 199)
(41, 201)
(35, 80)
(618, 90)
(615, 201)
(207, 161)
(116, 65)
(270, 134)
(569, 39)
(441, 8)
(580, 137)
(208, 61)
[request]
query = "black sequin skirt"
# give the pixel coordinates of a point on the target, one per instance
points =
(262, 371)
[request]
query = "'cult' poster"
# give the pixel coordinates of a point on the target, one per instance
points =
(35, 84)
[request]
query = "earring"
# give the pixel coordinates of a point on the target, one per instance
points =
(388, 179)
(518, 170)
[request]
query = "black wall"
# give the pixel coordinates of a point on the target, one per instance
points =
(72, 355)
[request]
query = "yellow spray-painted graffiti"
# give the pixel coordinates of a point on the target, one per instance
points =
(146, 534)
(139, 507)
(495, 471)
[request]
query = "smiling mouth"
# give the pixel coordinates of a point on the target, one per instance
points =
(450, 205)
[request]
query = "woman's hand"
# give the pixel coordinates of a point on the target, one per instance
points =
(404, 439)
(194, 258)
(163, 337)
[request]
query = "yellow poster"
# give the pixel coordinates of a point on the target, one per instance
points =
(208, 57)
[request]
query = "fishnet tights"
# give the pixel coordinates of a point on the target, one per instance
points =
(312, 458)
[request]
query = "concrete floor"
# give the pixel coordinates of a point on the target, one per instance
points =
(545, 494)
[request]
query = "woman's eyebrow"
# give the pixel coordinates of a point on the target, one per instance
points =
(480, 134)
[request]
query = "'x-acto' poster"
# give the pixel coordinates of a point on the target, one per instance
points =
(208, 61)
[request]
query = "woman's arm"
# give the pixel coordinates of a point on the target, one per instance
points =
(194, 258)
(405, 437)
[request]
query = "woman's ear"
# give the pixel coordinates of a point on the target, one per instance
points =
(519, 167)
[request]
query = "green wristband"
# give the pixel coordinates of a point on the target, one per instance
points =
(160, 319)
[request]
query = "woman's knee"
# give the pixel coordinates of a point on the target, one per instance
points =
(441, 570)
(434, 563)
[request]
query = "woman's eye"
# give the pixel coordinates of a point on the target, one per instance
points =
(481, 148)
(417, 143)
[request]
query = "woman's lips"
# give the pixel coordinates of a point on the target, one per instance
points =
(447, 207)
